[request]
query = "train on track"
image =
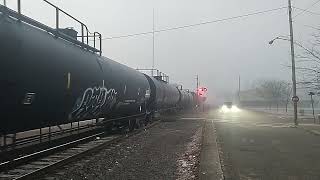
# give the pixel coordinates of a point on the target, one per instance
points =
(51, 76)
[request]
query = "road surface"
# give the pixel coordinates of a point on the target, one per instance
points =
(255, 145)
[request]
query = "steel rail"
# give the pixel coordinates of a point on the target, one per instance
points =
(25, 141)
(43, 161)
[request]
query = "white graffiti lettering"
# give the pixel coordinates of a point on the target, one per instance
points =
(94, 102)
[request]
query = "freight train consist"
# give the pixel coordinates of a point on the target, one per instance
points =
(51, 76)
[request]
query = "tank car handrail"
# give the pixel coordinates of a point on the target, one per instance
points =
(100, 43)
(39, 25)
(80, 22)
(159, 75)
(65, 13)
(84, 29)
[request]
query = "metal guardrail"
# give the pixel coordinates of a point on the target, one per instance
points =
(85, 33)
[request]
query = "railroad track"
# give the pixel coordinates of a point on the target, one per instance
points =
(36, 164)
(39, 136)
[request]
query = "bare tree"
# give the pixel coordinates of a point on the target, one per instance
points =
(274, 91)
(308, 64)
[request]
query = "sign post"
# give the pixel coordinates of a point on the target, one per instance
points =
(312, 94)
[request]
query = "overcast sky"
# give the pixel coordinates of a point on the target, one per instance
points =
(218, 52)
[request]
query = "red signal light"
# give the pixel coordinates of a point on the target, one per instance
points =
(202, 91)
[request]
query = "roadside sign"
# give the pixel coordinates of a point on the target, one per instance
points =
(295, 99)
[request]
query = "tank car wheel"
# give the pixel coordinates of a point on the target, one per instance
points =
(140, 123)
(148, 119)
(131, 124)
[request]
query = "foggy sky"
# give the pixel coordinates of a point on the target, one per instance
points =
(218, 52)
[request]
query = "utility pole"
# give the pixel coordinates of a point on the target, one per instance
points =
(239, 90)
(197, 91)
(294, 88)
(5, 3)
(152, 40)
(197, 78)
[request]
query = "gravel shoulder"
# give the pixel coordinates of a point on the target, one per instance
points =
(169, 150)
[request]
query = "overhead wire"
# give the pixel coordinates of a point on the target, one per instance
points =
(306, 10)
(315, 28)
(310, 12)
(220, 20)
(197, 24)
(309, 26)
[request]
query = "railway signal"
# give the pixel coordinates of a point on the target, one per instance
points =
(202, 93)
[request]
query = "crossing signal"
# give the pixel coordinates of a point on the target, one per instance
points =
(202, 91)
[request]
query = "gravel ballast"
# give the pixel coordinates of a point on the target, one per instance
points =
(169, 150)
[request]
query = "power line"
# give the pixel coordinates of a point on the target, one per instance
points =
(312, 27)
(306, 10)
(197, 24)
(220, 20)
(309, 26)
(128, 35)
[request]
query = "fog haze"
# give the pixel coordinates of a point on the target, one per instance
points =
(217, 52)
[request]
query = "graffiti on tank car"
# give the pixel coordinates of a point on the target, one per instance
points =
(93, 102)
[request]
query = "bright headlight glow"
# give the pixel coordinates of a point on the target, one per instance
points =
(235, 109)
(224, 109)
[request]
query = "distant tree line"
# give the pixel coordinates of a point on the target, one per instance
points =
(277, 92)
(274, 91)
(308, 64)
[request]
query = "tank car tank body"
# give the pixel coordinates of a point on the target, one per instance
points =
(186, 101)
(46, 80)
(163, 96)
